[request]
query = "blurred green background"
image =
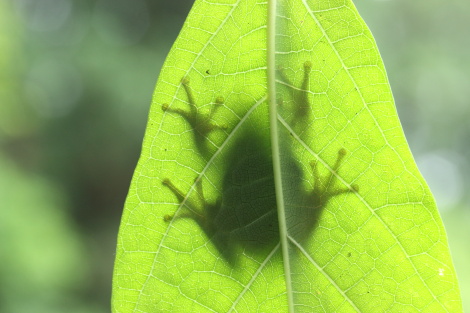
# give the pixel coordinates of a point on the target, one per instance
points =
(76, 80)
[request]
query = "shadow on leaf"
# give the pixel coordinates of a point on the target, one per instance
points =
(244, 217)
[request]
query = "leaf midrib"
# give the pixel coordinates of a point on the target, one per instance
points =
(271, 75)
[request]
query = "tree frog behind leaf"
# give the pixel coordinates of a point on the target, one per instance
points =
(244, 216)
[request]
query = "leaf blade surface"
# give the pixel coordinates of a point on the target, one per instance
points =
(200, 229)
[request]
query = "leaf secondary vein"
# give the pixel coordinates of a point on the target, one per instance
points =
(320, 269)
(258, 271)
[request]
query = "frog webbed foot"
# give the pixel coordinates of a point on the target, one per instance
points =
(326, 187)
(201, 122)
(196, 207)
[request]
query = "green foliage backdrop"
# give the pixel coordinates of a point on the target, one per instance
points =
(76, 81)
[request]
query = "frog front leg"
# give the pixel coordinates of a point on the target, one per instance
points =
(196, 208)
(201, 122)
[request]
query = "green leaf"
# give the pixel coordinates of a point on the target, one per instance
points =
(308, 202)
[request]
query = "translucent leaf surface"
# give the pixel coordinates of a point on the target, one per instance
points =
(275, 176)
